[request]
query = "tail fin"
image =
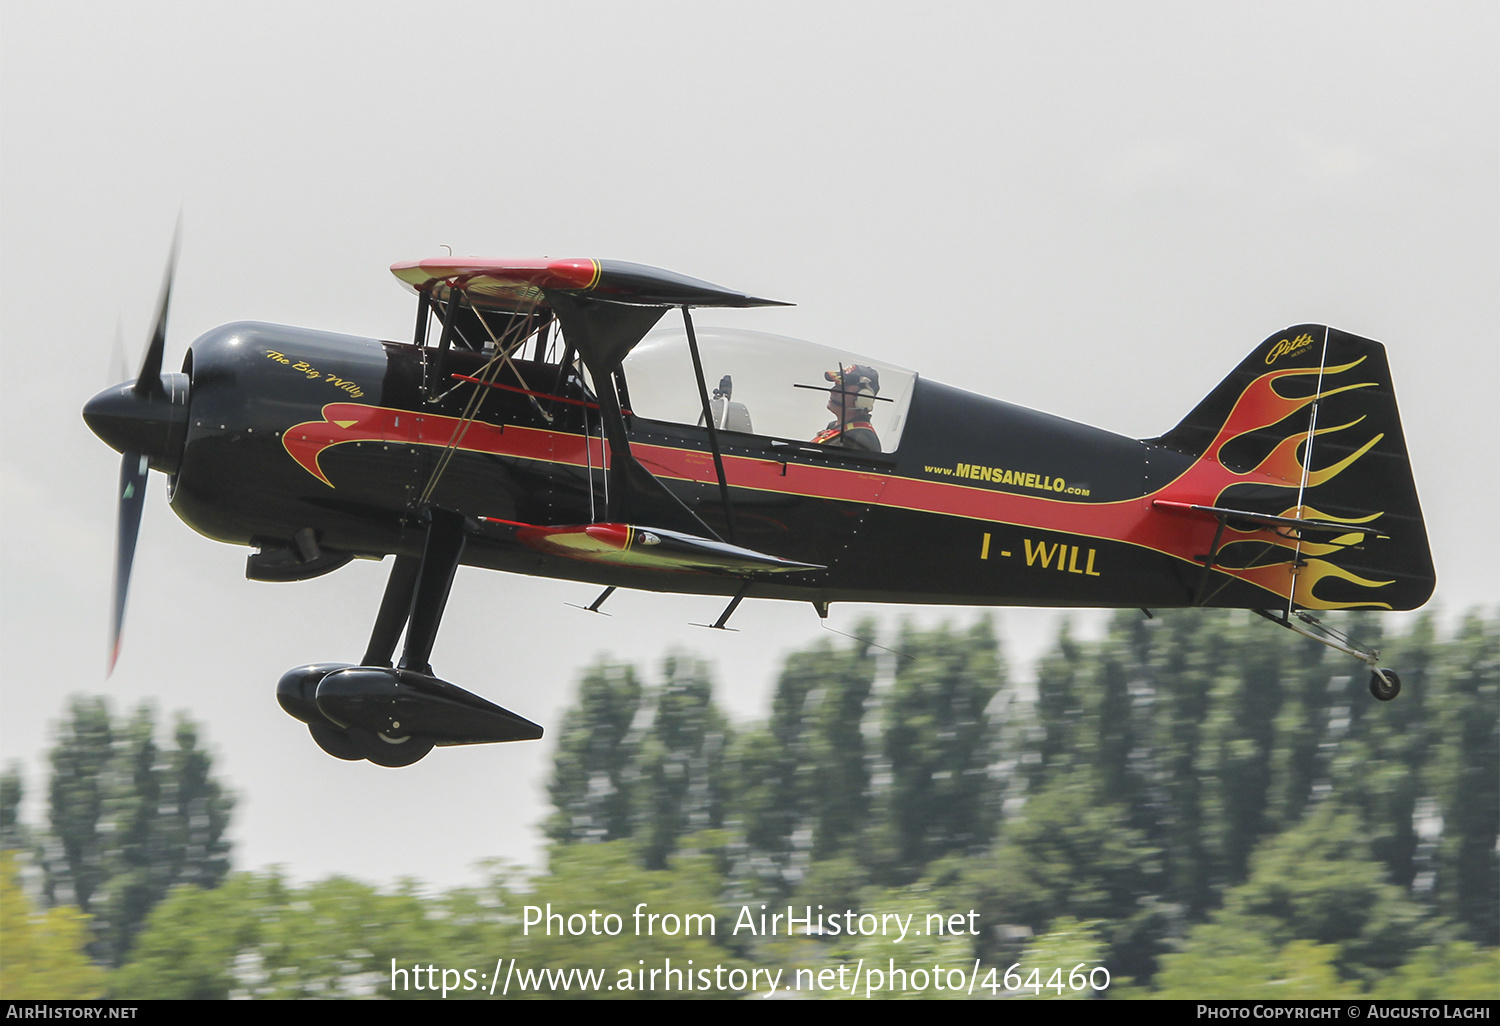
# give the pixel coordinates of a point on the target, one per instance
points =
(1307, 427)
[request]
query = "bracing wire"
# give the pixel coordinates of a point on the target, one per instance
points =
(902, 655)
(483, 379)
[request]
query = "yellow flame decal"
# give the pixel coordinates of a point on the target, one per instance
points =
(1261, 406)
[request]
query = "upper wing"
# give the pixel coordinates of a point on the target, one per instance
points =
(512, 283)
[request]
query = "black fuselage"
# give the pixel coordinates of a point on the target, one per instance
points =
(924, 524)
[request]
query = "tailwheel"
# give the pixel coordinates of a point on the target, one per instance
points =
(1384, 684)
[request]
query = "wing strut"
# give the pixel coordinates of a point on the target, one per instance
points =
(445, 341)
(419, 333)
(713, 430)
(602, 333)
(734, 603)
(593, 607)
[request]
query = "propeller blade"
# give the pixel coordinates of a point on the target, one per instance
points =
(134, 469)
(149, 380)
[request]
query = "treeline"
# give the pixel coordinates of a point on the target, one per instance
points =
(1201, 804)
(1208, 794)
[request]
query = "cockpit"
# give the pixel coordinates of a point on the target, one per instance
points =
(597, 316)
(761, 384)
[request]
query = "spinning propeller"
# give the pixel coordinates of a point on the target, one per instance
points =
(146, 421)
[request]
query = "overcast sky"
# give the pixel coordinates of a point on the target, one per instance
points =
(1093, 209)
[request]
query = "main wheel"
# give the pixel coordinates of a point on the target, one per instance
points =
(1385, 689)
(335, 742)
(388, 750)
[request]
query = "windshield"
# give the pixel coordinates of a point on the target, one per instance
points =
(770, 385)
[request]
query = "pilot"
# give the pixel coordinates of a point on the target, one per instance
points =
(851, 400)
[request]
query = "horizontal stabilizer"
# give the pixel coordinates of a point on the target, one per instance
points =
(1242, 519)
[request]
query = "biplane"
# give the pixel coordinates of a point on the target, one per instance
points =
(548, 417)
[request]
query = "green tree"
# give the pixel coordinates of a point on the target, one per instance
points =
(43, 954)
(610, 879)
(679, 785)
(1305, 730)
(761, 810)
(1238, 744)
(1185, 660)
(130, 820)
(936, 953)
(81, 783)
(1319, 882)
(1378, 760)
(1055, 738)
(1225, 961)
(188, 946)
(1316, 918)
(1067, 945)
(840, 804)
(1455, 971)
(1069, 852)
(1466, 779)
(1117, 733)
(801, 785)
(13, 832)
(591, 775)
(256, 936)
(939, 746)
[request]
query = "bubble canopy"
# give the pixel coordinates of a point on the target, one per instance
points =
(775, 385)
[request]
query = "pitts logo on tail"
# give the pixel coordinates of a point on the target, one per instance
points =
(1287, 347)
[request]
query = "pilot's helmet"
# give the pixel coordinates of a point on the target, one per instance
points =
(862, 382)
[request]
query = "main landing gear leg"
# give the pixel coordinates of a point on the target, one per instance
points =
(395, 610)
(416, 594)
(393, 716)
(1384, 683)
(445, 544)
(415, 597)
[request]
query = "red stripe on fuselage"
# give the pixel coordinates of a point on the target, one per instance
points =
(1130, 521)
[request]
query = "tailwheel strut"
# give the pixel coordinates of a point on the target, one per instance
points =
(1384, 682)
